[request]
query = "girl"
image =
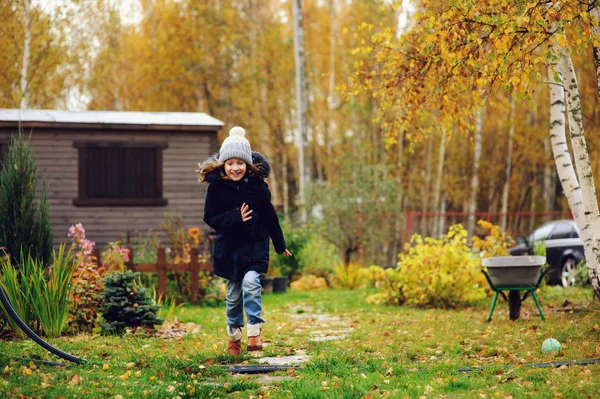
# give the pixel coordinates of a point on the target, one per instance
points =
(238, 206)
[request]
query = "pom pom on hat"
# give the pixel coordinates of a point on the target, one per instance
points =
(237, 131)
(236, 146)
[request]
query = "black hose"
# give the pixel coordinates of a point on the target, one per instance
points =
(536, 365)
(258, 369)
(33, 335)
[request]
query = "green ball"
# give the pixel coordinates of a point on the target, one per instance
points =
(550, 345)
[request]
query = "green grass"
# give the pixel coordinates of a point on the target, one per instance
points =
(392, 352)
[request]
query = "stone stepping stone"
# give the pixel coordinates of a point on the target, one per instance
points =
(330, 335)
(285, 360)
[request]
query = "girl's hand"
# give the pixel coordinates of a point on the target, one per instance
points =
(287, 253)
(246, 211)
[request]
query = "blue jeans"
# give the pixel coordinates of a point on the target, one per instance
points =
(248, 292)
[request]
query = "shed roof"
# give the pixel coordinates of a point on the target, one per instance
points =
(104, 119)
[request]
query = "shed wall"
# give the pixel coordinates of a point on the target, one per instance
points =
(57, 162)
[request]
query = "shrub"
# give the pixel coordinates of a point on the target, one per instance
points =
(495, 243)
(181, 242)
(87, 295)
(318, 255)
(16, 288)
(582, 277)
(388, 283)
(39, 294)
(145, 247)
(309, 282)
(213, 291)
(127, 304)
(115, 257)
(24, 221)
(50, 290)
(442, 273)
(296, 239)
(348, 276)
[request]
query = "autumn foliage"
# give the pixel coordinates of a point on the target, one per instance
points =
(442, 273)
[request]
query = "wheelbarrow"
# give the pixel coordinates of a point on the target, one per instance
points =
(514, 274)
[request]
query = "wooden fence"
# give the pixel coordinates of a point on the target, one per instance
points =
(161, 267)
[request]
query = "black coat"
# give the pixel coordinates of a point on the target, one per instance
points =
(242, 246)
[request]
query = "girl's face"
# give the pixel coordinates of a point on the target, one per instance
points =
(235, 169)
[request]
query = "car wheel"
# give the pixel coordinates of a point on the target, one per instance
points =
(568, 275)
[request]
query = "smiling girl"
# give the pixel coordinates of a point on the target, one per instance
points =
(238, 206)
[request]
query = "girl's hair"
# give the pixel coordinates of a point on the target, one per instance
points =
(213, 164)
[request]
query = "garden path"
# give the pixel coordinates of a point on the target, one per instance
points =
(316, 326)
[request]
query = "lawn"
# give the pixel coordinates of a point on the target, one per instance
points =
(392, 352)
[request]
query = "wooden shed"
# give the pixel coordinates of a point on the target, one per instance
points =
(117, 172)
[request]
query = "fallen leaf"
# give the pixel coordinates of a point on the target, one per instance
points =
(75, 380)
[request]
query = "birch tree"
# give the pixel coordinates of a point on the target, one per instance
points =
(457, 49)
(472, 204)
(301, 105)
(23, 102)
(508, 170)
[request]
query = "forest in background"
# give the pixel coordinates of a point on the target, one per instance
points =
(235, 60)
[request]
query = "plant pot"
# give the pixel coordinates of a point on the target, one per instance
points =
(280, 284)
(514, 271)
(267, 284)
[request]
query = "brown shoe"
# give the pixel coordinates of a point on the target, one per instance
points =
(234, 347)
(254, 343)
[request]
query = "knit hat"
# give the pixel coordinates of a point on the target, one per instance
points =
(236, 146)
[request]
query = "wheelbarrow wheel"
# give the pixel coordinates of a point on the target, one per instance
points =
(514, 305)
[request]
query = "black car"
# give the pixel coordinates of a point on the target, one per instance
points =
(564, 250)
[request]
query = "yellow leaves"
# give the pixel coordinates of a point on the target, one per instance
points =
(561, 40)
(431, 38)
(126, 376)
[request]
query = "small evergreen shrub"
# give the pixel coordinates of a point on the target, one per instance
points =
(24, 219)
(127, 304)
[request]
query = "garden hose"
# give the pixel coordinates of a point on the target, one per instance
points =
(33, 335)
(535, 365)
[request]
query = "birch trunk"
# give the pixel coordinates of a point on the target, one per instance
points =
(301, 105)
(508, 170)
(595, 14)
(425, 193)
(437, 190)
(331, 96)
(589, 226)
(442, 219)
(475, 176)
(286, 187)
(549, 182)
(399, 221)
(24, 98)
(560, 149)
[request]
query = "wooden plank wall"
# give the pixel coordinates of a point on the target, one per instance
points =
(57, 164)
